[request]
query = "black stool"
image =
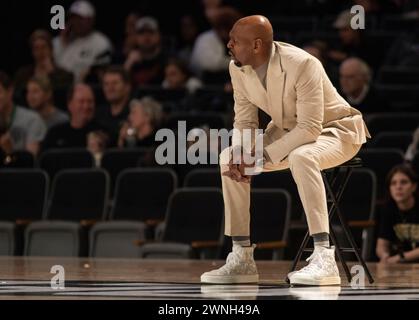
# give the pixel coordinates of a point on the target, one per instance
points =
(334, 192)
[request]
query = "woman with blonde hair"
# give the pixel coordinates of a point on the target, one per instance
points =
(39, 96)
(143, 121)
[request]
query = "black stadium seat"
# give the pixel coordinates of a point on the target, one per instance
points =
(116, 160)
(398, 75)
(54, 239)
(399, 97)
(397, 140)
(116, 239)
(23, 194)
(381, 122)
(54, 160)
(194, 221)
(203, 178)
(380, 161)
(7, 238)
(79, 194)
(270, 211)
(142, 194)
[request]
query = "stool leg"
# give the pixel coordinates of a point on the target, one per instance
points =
(340, 255)
(346, 230)
(339, 192)
(354, 245)
(332, 209)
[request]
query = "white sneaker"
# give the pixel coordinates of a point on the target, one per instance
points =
(321, 270)
(240, 267)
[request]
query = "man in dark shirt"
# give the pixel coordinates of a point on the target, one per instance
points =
(146, 63)
(117, 90)
(81, 105)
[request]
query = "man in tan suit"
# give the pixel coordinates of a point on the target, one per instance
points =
(312, 128)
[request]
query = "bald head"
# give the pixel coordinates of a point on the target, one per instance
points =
(255, 27)
(251, 40)
(354, 75)
(357, 66)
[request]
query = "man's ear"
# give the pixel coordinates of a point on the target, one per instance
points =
(257, 44)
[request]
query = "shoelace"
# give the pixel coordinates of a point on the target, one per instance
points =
(314, 260)
(229, 261)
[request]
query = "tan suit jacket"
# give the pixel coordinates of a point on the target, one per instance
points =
(300, 99)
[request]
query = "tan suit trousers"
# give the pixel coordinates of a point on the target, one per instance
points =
(305, 163)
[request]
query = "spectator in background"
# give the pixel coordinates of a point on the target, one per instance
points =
(210, 53)
(398, 230)
(178, 76)
(81, 105)
(144, 119)
(97, 142)
(80, 46)
(43, 63)
(319, 49)
(130, 40)
(189, 31)
(211, 8)
(146, 62)
(21, 129)
(355, 83)
(116, 87)
(353, 42)
(405, 51)
(39, 97)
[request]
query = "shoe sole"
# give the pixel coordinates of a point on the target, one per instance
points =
(230, 280)
(329, 281)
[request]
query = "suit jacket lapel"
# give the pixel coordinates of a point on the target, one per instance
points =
(275, 84)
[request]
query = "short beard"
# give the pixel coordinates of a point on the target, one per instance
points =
(237, 63)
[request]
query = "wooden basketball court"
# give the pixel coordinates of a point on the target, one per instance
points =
(85, 278)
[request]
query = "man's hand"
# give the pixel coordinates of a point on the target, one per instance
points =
(237, 171)
(134, 56)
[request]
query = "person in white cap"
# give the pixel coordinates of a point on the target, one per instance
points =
(356, 42)
(79, 46)
(146, 62)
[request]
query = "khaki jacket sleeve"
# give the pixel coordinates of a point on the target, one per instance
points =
(309, 112)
